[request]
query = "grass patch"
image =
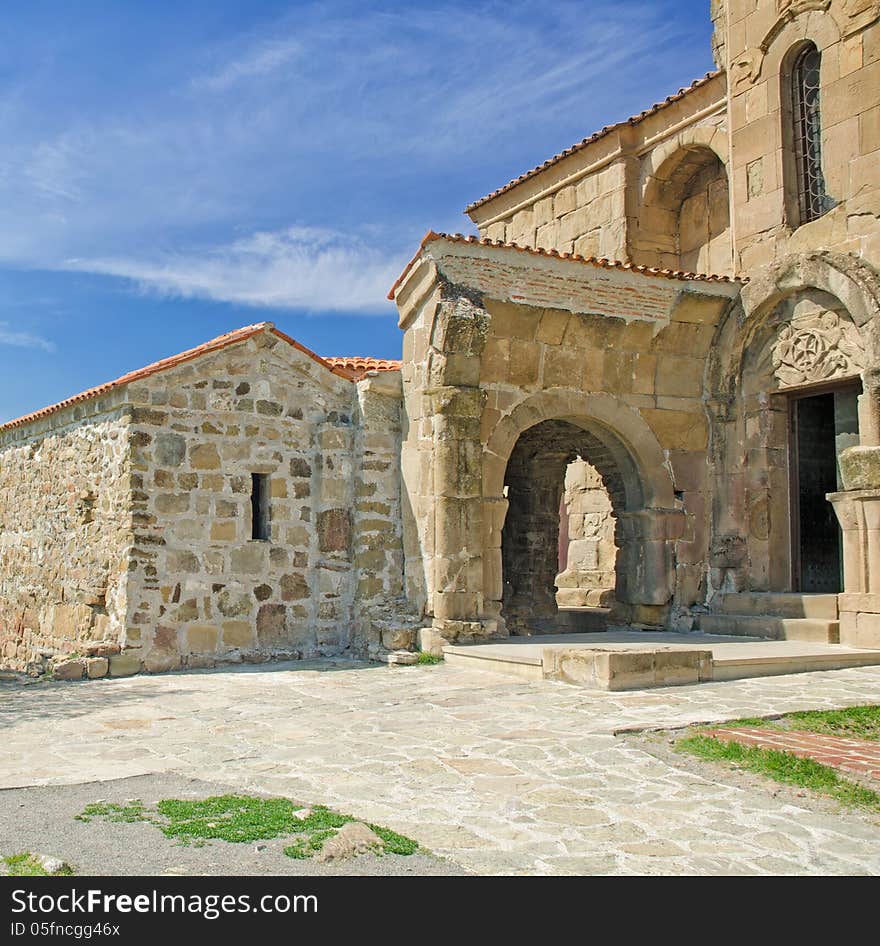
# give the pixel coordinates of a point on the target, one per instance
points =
(394, 843)
(240, 819)
(782, 767)
(306, 847)
(429, 660)
(26, 864)
(855, 722)
(235, 818)
(128, 813)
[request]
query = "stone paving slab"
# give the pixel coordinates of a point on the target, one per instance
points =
(498, 774)
(861, 756)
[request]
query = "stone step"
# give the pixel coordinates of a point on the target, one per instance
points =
(622, 659)
(786, 605)
(771, 627)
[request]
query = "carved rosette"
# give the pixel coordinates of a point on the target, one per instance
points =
(819, 348)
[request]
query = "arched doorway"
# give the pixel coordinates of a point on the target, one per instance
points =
(533, 485)
(800, 386)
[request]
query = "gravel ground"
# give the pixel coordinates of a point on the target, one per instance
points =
(41, 820)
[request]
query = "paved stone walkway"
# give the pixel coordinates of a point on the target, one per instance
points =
(854, 755)
(501, 775)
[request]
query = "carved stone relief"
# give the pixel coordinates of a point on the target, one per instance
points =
(748, 64)
(860, 13)
(817, 348)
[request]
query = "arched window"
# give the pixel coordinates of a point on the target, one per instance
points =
(812, 200)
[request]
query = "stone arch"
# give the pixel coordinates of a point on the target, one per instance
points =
(846, 278)
(834, 298)
(537, 439)
(629, 435)
(684, 217)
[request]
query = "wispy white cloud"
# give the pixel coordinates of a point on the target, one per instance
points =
(296, 268)
(18, 339)
(260, 60)
(368, 118)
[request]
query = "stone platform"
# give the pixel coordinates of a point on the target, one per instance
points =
(632, 660)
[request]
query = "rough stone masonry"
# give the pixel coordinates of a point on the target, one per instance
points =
(664, 307)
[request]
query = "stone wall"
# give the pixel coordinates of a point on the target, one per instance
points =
(641, 191)
(484, 373)
(762, 40)
(656, 374)
(810, 308)
(126, 524)
(65, 535)
(383, 616)
(201, 588)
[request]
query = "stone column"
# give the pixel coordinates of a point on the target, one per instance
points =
(458, 565)
(453, 407)
(869, 408)
(858, 511)
(494, 514)
(850, 519)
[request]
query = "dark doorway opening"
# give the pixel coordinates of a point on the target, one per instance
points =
(822, 425)
(530, 540)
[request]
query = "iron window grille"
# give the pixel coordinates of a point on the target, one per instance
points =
(813, 201)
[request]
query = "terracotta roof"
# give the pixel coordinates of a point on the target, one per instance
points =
(633, 120)
(222, 341)
(360, 366)
(431, 236)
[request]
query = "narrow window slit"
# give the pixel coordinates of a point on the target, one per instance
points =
(260, 506)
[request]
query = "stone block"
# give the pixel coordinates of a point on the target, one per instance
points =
(172, 503)
(125, 664)
(170, 450)
(294, 587)
(432, 641)
(628, 669)
(97, 667)
(300, 468)
(201, 639)
(399, 638)
(860, 468)
(238, 634)
(204, 456)
(272, 625)
(860, 630)
(224, 531)
(164, 654)
(334, 530)
(74, 669)
(100, 649)
(678, 430)
(251, 559)
(179, 561)
(583, 555)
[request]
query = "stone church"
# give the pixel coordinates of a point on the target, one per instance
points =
(649, 389)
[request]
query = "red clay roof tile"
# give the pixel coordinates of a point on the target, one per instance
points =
(360, 366)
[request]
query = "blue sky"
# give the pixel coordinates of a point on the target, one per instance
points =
(171, 171)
